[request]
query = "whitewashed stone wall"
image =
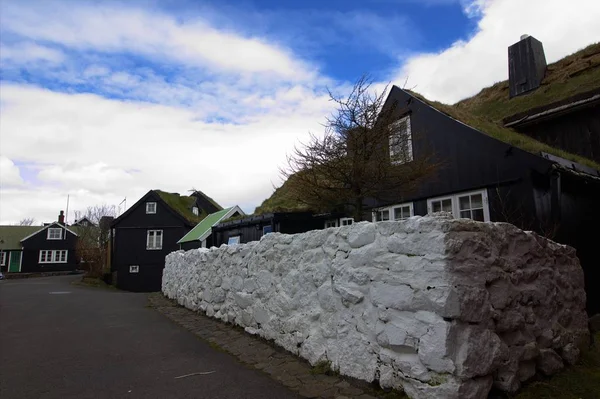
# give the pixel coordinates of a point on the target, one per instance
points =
(442, 308)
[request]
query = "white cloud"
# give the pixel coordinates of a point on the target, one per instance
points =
(110, 149)
(9, 173)
(468, 66)
(26, 52)
(126, 29)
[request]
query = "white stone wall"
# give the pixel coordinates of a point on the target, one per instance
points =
(442, 308)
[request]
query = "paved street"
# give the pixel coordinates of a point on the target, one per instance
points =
(59, 340)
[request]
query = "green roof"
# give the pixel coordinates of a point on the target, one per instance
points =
(204, 226)
(182, 205)
(11, 236)
(573, 75)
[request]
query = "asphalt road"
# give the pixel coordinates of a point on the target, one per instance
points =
(58, 340)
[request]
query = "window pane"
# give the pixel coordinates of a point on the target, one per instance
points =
(464, 202)
(436, 206)
(478, 214)
(447, 205)
(465, 214)
(385, 215)
(405, 212)
(476, 201)
(398, 214)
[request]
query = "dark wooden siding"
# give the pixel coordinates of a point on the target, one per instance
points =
(467, 159)
(576, 132)
(33, 245)
(129, 244)
(251, 229)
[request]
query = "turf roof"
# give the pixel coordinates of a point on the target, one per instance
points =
(575, 74)
(182, 205)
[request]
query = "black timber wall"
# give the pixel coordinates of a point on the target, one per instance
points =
(129, 245)
(467, 158)
(33, 245)
(576, 132)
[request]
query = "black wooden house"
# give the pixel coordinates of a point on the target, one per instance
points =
(546, 180)
(148, 231)
(489, 172)
(252, 228)
(31, 249)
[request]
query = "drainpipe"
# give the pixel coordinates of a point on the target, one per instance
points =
(556, 192)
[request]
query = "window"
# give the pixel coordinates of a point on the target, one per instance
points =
(53, 256)
(331, 223)
(154, 239)
(134, 269)
(381, 215)
(472, 205)
(54, 233)
(267, 229)
(442, 205)
(346, 221)
(150, 207)
(2, 258)
(233, 240)
(195, 210)
(401, 149)
(394, 212)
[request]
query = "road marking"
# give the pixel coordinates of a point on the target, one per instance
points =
(59, 292)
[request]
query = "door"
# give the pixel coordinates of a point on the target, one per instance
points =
(14, 265)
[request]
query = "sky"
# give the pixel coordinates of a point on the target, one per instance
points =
(101, 101)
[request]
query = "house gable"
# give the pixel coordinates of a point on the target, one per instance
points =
(163, 215)
(43, 232)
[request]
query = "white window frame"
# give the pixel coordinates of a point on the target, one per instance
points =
(51, 236)
(390, 209)
(150, 208)
(328, 223)
(152, 243)
(456, 203)
(134, 268)
(407, 132)
(344, 221)
(234, 240)
(2, 258)
(53, 256)
(195, 210)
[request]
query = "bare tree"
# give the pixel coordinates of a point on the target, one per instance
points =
(93, 238)
(27, 222)
(366, 152)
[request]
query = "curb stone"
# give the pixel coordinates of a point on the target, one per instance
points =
(294, 373)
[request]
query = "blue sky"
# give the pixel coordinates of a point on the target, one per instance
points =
(103, 100)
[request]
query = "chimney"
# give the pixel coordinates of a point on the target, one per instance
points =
(526, 65)
(61, 217)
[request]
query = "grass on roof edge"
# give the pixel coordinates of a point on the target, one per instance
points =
(504, 134)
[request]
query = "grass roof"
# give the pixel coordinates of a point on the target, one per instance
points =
(575, 74)
(183, 205)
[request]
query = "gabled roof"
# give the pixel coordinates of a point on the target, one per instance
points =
(53, 225)
(179, 205)
(11, 236)
(83, 219)
(204, 228)
(183, 205)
